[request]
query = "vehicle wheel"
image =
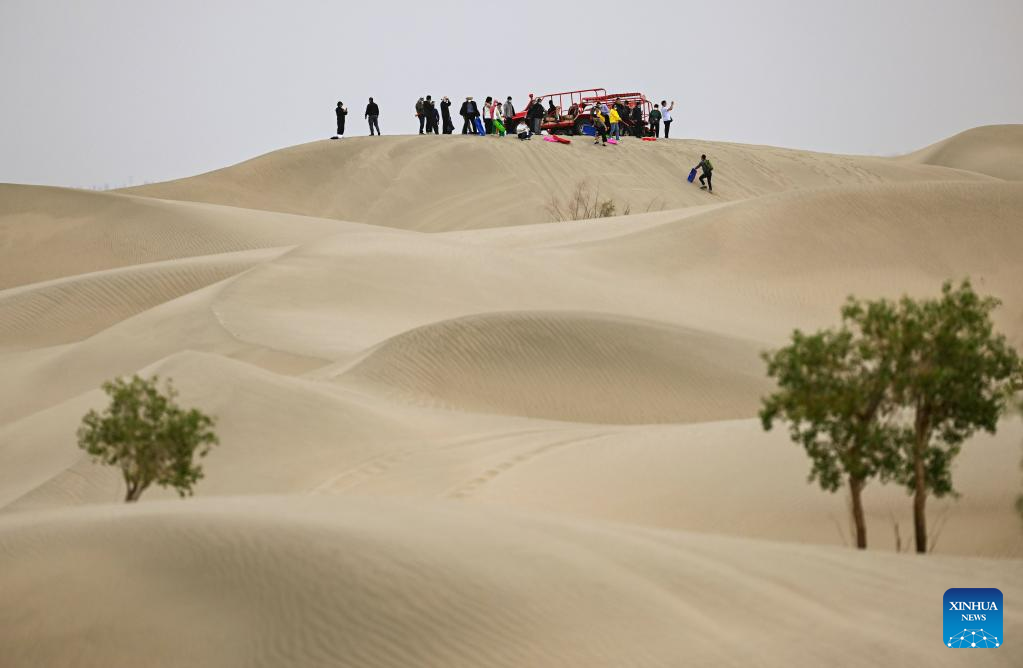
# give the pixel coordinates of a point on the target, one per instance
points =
(577, 129)
(513, 127)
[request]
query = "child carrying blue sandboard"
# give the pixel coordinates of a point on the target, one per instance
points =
(692, 175)
(479, 127)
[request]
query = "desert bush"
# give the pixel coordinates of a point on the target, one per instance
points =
(145, 433)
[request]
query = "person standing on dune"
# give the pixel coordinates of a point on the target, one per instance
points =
(445, 114)
(509, 109)
(615, 119)
(372, 114)
(655, 122)
(341, 112)
(637, 119)
(430, 113)
(666, 116)
(421, 114)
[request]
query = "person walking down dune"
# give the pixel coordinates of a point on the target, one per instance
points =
(445, 114)
(666, 116)
(707, 170)
(372, 115)
(341, 111)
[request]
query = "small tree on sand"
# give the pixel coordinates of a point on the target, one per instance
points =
(955, 376)
(146, 434)
(833, 390)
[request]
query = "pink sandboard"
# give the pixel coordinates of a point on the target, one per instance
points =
(612, 141)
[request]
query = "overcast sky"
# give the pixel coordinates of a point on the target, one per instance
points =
(96, 92)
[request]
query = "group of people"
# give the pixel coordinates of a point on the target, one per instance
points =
(372, 117)
(607, 120)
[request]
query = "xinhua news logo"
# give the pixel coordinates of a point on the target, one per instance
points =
(973, 618)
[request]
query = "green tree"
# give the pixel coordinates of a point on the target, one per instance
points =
(834, 391)
(146, 434)
(955, 376)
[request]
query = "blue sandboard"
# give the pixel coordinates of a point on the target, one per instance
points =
(692, 175)
(479, 127)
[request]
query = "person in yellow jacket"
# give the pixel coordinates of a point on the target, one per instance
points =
(615, 119)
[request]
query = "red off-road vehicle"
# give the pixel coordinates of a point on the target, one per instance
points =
(573, 111)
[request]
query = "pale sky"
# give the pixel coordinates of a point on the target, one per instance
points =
(115, 92)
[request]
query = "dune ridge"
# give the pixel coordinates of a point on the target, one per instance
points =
(991, 149)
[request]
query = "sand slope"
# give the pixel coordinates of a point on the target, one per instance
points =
(992, 150)
(274, 582)
(570, 366)
(452, 183)
(47, 233)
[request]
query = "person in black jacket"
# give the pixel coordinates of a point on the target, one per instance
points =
(464, 113)
(472, 112)
(372, 114)
(637, 119)
(655, 121)
(535, 114)
(430, 112)
(445, 113)
(341, 112)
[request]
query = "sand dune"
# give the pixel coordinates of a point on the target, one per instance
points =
(286, 435)
(70, 309)
(570, 366)
(48, 233)
(993, 149)
(274, 582)
(452, 183)
(505, 442)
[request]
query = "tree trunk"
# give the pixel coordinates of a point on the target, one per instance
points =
(919, 497)
(856, 490)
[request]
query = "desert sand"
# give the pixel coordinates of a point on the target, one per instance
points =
(455, 433)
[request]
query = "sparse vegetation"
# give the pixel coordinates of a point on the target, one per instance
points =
(145, 433)
(894, 393)
(585, 203)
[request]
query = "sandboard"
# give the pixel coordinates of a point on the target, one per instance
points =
(649, 138)
(562, 140)
(692, 175)
(479, 126)
(612, 141)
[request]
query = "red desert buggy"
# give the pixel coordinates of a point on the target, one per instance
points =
(573, 111)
